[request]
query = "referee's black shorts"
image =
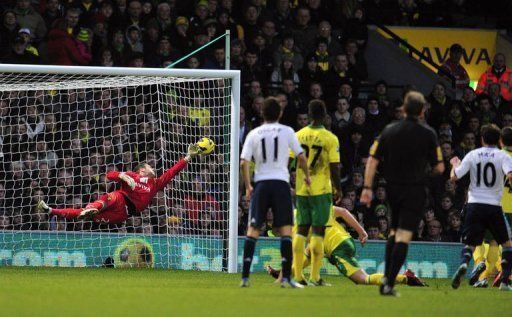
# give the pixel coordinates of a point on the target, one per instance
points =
(407, 204)
(481, 217)
(274, 195)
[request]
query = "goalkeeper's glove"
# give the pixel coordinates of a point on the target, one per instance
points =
(128, 180)
(193, 150)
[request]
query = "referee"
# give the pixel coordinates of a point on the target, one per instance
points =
(409, 152)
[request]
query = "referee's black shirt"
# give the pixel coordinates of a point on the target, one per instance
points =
(407, 151)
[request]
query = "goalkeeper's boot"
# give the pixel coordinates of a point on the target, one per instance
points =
(457, 277)
(413, 280)
(320, 282)
(290, 283)
(505, 287)
(43, 207)
(483, 283)
(244, 282)
(497, 280)
(477, 271)
(272, 272)
(88, 213)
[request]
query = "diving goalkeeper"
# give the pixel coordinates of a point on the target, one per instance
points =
(137, 191)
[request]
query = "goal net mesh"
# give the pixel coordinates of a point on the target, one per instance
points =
(60, 135)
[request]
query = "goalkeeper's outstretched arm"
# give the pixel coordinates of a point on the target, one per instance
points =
(168, 175)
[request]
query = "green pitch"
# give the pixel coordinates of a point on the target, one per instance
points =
(110, 292)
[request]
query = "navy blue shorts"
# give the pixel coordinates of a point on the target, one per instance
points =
(274, 195)
(481, 217)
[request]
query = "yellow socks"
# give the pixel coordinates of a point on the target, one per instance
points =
(299, 244)
(317, 254)
(376, 279)
(493, 256)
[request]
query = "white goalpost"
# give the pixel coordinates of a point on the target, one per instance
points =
(63, 128)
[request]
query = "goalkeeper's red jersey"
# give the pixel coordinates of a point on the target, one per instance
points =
(146, 188)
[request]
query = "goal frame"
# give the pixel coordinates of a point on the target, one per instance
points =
(235, 77)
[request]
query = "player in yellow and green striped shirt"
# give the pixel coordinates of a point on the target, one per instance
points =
(340, 250)
(314, 201)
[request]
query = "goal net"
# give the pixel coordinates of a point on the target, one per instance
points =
(64, 128)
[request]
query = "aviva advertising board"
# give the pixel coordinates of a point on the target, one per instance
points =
(479, 45)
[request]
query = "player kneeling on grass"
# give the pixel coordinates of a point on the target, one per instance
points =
(137, 191)
(340, 250)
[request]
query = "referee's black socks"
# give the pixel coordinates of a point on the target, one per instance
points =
(397, 260)
(287, 256)
(506, 264)
(387, 257)
(249, 246)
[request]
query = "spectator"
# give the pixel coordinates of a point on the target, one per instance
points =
(8, 32)
(250, 68)
(133, 15)
(19, 54)
(375, 118)
(293, 96)
(284, 71)
(498, 73)
(372, 228)
(250, 23)
(469, 100)
(5, 222)
(181, 34)
(499, 105)
(340, 73)
(454, 232)
(288, 48)
(304, 32)
(310, 73)
(163, 18)
(282, 16)
(341, 116)
(321, 54)
(316, 91)
(486, 111)
(53, 11)
(468, 144)
(356, 27)
(62, 46)
(270, 34)
(302, 120)
(434, 232)
(453, 67)
(440, 105)
(356, 59)
(28, 17)
(245, 127)
(333, 38)
(134, 37)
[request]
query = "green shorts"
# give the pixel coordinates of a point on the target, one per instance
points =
(314, 210)
(343, 258)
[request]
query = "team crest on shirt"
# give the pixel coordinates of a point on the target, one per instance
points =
(143, 180)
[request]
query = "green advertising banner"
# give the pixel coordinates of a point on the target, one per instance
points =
(79, 249)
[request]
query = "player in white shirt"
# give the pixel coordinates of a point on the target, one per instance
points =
(488, 166)
(269, 145)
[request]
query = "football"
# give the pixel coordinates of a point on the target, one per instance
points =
(206, 145)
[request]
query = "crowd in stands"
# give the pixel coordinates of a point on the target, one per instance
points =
(295, 50)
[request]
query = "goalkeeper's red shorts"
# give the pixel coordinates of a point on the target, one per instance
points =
(112, 208)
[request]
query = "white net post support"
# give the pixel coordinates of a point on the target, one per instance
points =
(159, 112)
